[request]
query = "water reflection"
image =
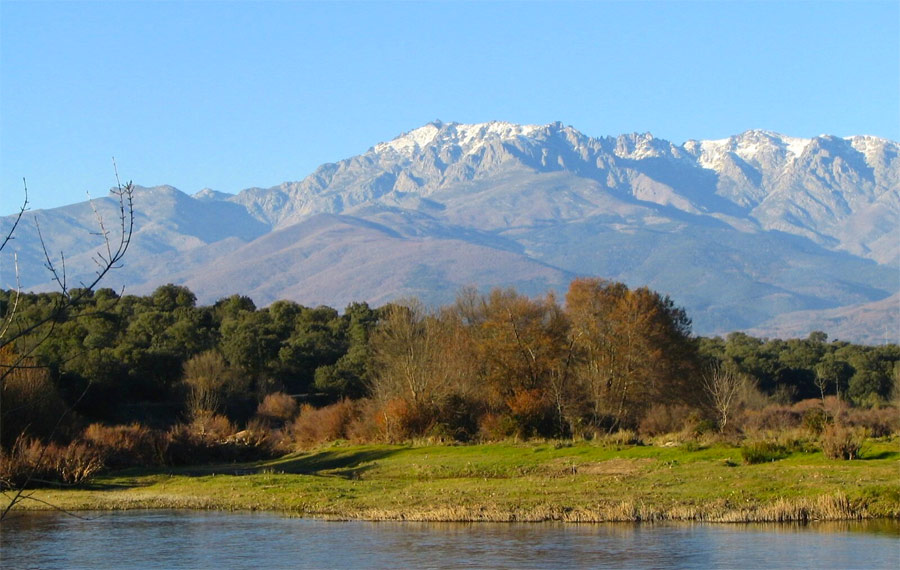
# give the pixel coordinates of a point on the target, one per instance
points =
(192, 539)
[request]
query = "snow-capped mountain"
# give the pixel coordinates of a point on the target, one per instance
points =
(739, 231)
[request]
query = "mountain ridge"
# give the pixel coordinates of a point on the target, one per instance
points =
(740, 230)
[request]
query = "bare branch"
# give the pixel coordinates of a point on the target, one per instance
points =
(11, 312)
(114, 252)
(22, 209)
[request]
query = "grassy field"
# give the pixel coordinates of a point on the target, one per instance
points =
(578, 482)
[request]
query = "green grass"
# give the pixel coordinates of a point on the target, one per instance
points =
(510, 481)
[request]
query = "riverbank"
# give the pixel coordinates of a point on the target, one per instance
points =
(561, 481)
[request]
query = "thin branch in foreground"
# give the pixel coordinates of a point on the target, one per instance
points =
(22, 209)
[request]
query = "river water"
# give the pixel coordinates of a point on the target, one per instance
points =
(219, 540)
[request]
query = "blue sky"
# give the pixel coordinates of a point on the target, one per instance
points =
(229, 95)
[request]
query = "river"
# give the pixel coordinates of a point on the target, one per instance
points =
(220, 540)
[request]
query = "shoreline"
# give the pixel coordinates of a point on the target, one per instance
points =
(511, 482)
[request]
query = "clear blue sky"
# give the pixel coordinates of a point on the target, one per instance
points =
(229, 95)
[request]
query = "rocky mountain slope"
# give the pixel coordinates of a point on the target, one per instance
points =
(740, 231)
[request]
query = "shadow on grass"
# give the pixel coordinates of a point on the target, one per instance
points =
(880, 455)
(340, 463)
(347, 464)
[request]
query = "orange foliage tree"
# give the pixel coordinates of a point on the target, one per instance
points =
(634, 348)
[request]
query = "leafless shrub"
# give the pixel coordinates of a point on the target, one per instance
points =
(211, 428)
(277, 408)
(842, 442)
(205, 376)
(30, 463)
(878, 422)
(662, 419)
(30, 401)
(126, 446)
(314, 426)
(772, 418)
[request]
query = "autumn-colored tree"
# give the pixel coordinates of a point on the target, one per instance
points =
(634, 348)
(520, 345)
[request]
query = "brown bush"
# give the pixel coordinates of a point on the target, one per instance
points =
(803, 406)
(261, 435)
(213, 438)
(399, 420)
(189, 446)
(363, 426)
(330, 423)
(771, 418)
(277, 408)
(663, 419)
(531, 412)
(32, 463)
(842, 442)
(30, 400)
(212, 428)
(878, 422)
(496, 427)
(126, 446)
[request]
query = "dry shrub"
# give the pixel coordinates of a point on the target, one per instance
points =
(278, 408)
(663, 419)
(842, 442)
(496, 427)
(773, 418)
(878, 422)
(211, 428)
(76, 462)
(32, 463)
(314, 426)
(532, 413)
(259, 434)
(30, 400)
(213, 438)
(620, 438)
(205, 376)
(804, 406)
(399, 420)
(126, 446)
(189, 446)
(835, 406)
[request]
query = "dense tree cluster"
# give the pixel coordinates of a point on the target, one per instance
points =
(490, 365)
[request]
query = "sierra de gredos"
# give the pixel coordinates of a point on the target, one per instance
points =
(759, 232)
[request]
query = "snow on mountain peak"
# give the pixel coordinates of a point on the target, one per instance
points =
(749, 146)
(468, 136)
(411, 141)
(870, 145)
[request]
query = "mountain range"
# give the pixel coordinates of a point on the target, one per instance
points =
(759, 232)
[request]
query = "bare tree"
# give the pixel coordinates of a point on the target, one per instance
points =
(24, 337)
(205, 376)
(722, 386)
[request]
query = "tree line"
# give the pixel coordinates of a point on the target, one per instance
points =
(488, 365)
